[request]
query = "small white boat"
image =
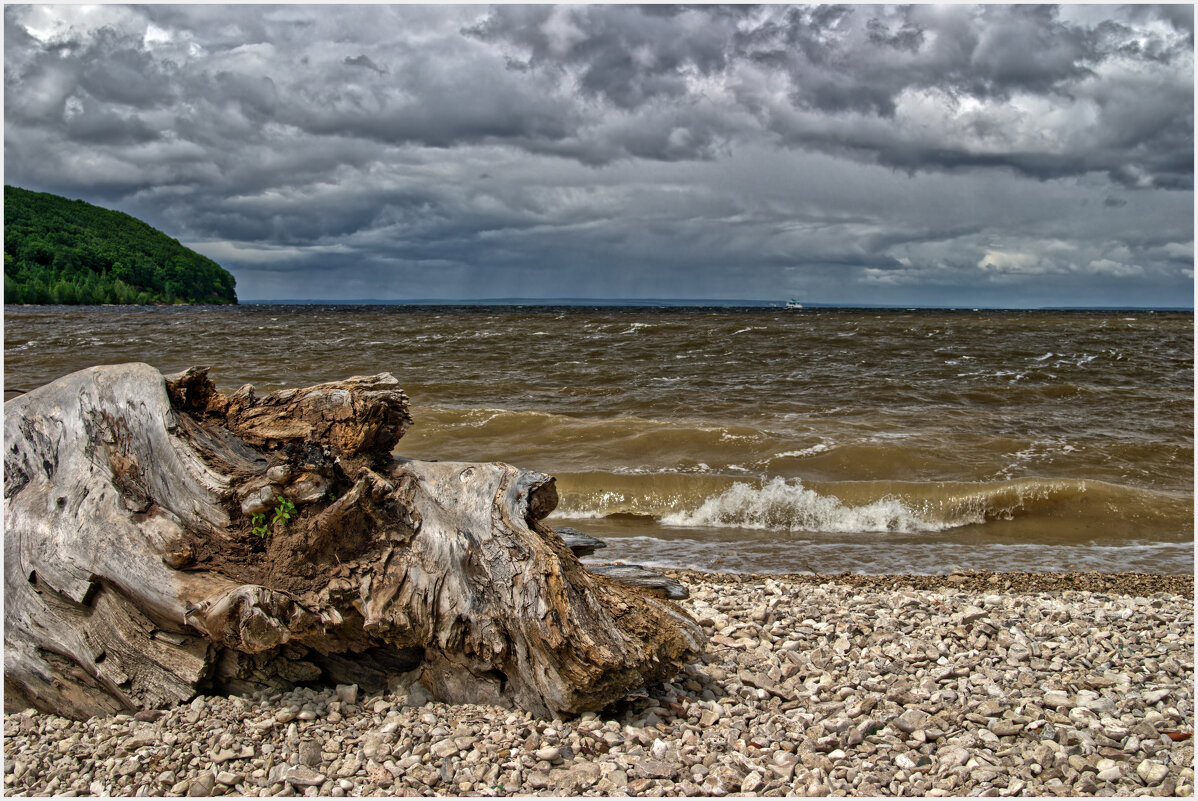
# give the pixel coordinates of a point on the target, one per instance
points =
(793, 304)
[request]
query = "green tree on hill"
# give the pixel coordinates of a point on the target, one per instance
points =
(66, 251)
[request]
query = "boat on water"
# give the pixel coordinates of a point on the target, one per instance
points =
(793, 304)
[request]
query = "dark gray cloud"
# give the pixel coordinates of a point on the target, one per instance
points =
(852, 79)
(626, 55)
(935, 153)
(364, 61)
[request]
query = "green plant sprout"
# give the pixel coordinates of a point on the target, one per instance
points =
(283, 512)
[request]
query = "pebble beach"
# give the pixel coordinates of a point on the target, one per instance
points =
(972, 684)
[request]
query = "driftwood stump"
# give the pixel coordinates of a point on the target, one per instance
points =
(142, 565)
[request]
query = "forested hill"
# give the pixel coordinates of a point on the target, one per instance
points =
(66, 251)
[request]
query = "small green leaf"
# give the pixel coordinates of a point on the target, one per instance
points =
(258, 525)
(283, 512)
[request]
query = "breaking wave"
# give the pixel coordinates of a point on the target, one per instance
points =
(782, 505)
(1038, 508)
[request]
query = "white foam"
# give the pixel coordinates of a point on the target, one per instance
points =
(623, 470)
(636, 327)
(814, 449)
(782, 505)
(573, 514)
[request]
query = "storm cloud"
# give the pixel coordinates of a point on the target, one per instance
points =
(977, 155)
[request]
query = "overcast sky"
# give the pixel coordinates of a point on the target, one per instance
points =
(935, 154)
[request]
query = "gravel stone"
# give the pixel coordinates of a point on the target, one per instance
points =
(967, 685)
(549, 754)
(1153, 773)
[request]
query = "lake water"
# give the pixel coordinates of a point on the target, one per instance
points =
(759, 440)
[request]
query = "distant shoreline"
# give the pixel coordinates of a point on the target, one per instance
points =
(620, 303)
(651, 303)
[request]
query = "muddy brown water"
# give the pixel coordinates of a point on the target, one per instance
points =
(755, 440)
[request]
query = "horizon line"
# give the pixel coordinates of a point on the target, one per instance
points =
(684, 303)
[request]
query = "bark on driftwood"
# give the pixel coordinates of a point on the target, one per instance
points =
(134, 578)
(581, 544)
(643, 578)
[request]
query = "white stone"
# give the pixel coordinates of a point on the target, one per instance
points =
(228, 778)
(1156, 696)
(971, 614)
(549, 754)
(752, 783)
(298, 775)
(443, 748)
(910, 720)
(1153, 773)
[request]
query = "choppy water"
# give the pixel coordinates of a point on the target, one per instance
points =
(748, 439)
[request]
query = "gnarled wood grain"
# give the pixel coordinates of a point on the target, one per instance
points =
(133, 577)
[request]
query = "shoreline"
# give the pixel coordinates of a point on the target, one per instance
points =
(811, 685)
(1126, 583)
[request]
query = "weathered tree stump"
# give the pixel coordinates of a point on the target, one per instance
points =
(136, 573)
